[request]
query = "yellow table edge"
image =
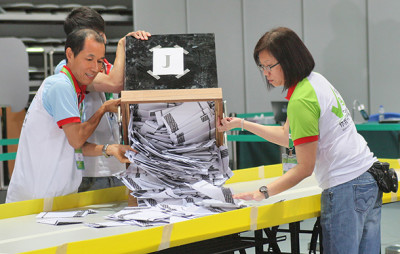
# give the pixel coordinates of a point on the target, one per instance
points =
(27, 207)
(16, 209)
(181, 233)
(133, 242)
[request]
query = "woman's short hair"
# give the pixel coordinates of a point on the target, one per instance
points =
(76, 39)
(289, 50)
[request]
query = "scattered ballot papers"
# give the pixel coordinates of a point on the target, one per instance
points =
(178, 168)
(63, 218)
(178, 172)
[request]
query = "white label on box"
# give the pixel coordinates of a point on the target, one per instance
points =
(168, 61)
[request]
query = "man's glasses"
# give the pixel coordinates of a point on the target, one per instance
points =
(266, 68)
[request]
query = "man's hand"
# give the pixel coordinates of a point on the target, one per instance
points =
(118, 151)
(140, 35)
(111, 105)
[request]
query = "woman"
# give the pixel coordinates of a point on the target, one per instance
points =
(326, 143)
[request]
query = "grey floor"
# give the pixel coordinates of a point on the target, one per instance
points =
(390, 229)
(2, 196)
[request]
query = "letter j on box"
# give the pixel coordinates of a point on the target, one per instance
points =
(168, 61)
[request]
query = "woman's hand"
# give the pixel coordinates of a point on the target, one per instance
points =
(229, 123)
(253, 195)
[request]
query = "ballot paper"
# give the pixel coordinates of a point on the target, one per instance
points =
(107, 224)
(162, 214)
(218, 193)
(63, 218)
(70, 214)
(60, 221)
(178, 171)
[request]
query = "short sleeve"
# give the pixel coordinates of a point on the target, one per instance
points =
(59, 66)
(60, 100)
(303, 115)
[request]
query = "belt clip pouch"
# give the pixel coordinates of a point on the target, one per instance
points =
(385, 177)
(289, 160)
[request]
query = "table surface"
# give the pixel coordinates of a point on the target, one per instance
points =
(35, 236)
(24, 234)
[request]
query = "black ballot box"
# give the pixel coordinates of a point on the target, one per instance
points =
(172, 61)
(184, 62)
(170, 69)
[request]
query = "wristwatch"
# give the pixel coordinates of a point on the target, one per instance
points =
(104, 150)
(264, 190)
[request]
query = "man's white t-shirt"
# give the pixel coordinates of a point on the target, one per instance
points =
(106, 133)
(45, 163)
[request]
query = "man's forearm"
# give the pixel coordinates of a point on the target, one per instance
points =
(87, 128)
(90, 149)
(78, 133)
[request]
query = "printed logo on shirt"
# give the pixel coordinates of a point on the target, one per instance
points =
(346, 120)
(341, 111)
(337, 110)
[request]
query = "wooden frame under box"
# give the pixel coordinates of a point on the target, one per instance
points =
(170, 96)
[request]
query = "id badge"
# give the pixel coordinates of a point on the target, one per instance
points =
(288, 161)
(80, 165)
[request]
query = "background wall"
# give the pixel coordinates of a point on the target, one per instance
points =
(354, 42)
(40, 27)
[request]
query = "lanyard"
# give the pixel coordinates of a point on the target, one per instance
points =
(109, 96)
(289, 160)
(290, 139)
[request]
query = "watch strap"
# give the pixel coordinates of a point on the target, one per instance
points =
(264, 190)
(104, 150)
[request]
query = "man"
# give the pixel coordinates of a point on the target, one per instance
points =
(111, 79)
(99, 170)
(53, 136)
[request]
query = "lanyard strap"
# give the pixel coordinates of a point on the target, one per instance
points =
(109, 96)
(290, 139)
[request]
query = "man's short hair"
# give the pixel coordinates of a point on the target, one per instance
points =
(289, 50)
(76, 39)
(84, 17)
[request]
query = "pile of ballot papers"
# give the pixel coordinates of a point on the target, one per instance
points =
(177, 174)
(159, 215)
(178, 162)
